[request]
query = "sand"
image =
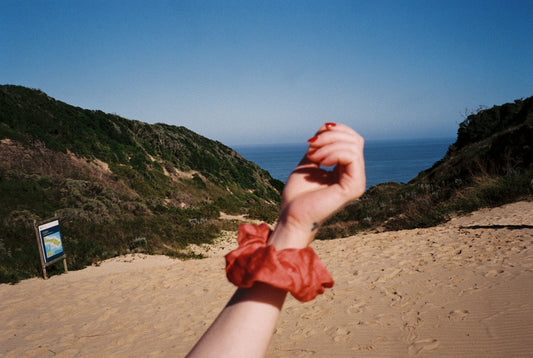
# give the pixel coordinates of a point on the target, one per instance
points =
(461, 289)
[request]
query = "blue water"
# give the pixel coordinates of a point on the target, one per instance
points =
(385, 160)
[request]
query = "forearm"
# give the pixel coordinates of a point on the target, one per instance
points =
(245, 326)
(311, 195)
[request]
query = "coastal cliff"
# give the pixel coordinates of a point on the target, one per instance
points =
(120, 186)
(490, 164)
(116, 185)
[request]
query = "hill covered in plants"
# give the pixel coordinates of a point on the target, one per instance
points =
(490, 164)
(119, 185)
(114, 183)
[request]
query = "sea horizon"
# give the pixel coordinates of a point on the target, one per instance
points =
(386, 160)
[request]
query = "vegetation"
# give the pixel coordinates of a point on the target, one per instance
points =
(119, 185)
(490, 164)
(112, 181)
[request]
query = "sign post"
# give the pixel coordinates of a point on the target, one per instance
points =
(50, 245)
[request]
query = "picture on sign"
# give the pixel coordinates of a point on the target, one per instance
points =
(51, 241)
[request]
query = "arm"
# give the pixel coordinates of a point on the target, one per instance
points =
(311, 195)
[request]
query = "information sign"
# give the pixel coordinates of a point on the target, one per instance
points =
(50, 245)
(51, 241)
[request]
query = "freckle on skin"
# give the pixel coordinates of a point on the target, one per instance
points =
(315, 226)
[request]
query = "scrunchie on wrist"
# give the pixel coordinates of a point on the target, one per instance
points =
(298, 271)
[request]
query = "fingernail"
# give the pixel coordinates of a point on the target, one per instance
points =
(312, 140)
(311, 152)
(330, 124)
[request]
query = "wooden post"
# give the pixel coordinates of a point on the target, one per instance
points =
(39, 246)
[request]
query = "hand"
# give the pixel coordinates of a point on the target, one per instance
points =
(312, 194)
(245, 326)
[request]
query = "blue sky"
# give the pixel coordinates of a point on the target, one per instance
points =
(245, 72)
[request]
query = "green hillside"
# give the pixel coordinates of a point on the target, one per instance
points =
(120, 185)
(490, 164)
(111, 181)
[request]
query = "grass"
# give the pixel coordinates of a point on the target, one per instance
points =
(393, 206)
(49, 168)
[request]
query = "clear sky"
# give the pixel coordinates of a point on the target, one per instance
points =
(273, 71)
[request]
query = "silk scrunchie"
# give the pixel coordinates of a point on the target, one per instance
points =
(298, 271)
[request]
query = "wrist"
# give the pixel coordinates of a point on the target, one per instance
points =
(293, 267)
(290, 236)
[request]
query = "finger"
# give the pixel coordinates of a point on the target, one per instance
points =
(330, 137)
(349, 159)
(326, 143)
(326, 126)
(305, 161)
(335, 153)
(338, 127)
(340, 134)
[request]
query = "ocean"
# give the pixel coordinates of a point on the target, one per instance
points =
(385, 160)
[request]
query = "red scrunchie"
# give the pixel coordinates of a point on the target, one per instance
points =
(298, 271)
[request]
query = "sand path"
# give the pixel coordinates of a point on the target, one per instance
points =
(462, 289)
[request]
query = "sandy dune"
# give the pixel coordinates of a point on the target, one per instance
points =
(462, 289)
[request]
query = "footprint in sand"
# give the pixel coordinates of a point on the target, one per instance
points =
(312, 313)
(341, 335)
(302, 333)
(356, 307)
(458, 315)
(494, 273)
(423, 345)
